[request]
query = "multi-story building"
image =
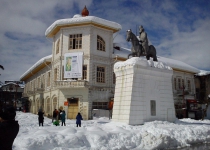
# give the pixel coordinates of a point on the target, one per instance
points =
(202, 84)
(11, 92)
(79, 74)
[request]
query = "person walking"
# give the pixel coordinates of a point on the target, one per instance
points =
(41, 117)
(78, 119)
(55, 113)
(9, 128)
(63, 118)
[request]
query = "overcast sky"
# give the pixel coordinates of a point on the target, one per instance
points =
(179, 29)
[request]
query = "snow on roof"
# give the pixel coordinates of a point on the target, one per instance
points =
(79, 19)
(42, 60)
(175, 64)
(203, 73)
(143, 62)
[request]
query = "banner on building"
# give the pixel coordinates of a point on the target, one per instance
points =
(73, 63)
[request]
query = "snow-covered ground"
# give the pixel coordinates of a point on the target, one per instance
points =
(104, 134)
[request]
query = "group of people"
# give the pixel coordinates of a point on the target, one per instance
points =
(58, 115)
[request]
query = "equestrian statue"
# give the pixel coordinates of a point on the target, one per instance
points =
(141, 48)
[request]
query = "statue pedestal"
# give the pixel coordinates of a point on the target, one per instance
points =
(143, 92)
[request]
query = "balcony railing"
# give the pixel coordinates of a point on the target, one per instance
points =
(30, 92)
(70, 84)
(39, 90)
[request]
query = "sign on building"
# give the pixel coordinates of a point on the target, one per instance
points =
(73, 63)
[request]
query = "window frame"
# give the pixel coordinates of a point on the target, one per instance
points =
(100, 75)
(84, 72)
(75, 41)
(101, 45)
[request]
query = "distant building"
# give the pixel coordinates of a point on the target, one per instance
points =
(78, 75)
(202, 83)
(11, 92)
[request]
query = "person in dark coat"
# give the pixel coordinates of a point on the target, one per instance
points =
(9, 128)
(41, 117)
(63, 118)
(78, 119)
(55, 113)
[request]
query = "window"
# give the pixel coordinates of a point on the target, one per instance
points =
(153, 107)
(63, 73)
(31, 86)
(182, 83)
(179, 83)
(38, 82)
(114, 78)
(75, 41)
(37, 105)
(174, 83)
(57, 46)
(48, 105)
(84, 73)
(100, 105)
(55, 74)
(48, 79)
(54, 103)
(100, 43)
(43, 82)
(100, 74)
(189, 85)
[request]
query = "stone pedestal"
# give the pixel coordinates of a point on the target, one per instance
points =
(143, 92)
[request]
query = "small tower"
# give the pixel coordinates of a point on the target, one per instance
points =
(84, 12)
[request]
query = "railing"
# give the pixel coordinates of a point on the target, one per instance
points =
(30, 92)
(39, 90)
(70, 84)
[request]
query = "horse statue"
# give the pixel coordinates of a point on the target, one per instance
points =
(137, 48)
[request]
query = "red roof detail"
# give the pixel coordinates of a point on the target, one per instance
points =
(85, 12)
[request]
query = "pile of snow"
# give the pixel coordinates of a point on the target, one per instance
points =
(143, 62)
(104, 134)
(203, 73)
(78, 19)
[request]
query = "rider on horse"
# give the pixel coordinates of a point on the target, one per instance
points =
(143, 39)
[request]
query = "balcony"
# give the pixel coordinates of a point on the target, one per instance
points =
(70, 84)
(30, 92)
(39, 90)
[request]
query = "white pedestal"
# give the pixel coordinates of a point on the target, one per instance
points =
(143, 92)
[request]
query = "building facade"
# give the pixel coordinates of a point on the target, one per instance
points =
(48, 85)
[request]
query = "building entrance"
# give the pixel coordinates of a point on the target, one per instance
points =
(72, 108)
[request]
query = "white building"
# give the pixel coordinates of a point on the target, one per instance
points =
(50, 85)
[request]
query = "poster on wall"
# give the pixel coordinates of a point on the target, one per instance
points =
(73, 63)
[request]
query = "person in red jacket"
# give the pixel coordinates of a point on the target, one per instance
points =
(9, 128)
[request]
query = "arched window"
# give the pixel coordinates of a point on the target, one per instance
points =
(100, 43)
(37, 105)
(55, 103)
(55, 74)
(48, 105)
